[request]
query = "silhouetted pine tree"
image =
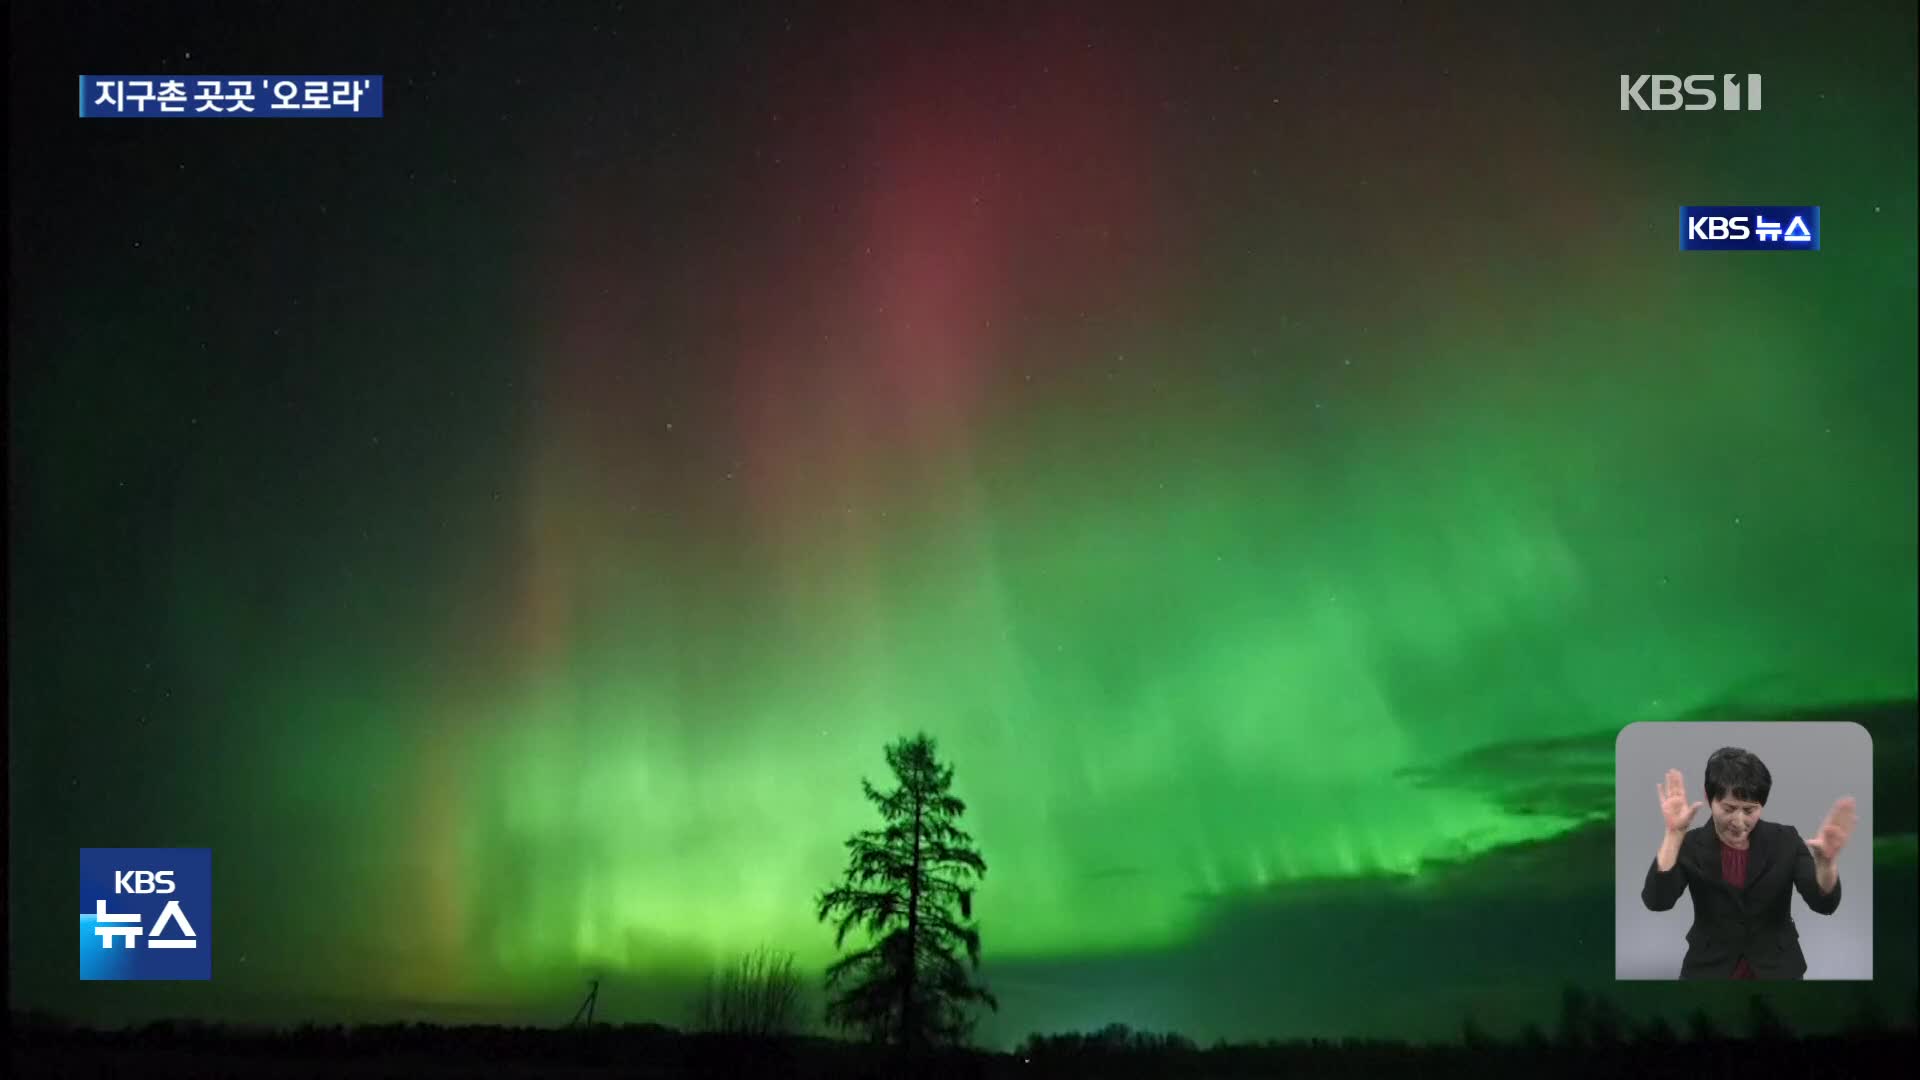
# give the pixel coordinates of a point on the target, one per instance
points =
(1472, 1035)
(908, 886)
(1605, 1022)
(1657, 1032)
(1701, 1028)
(1575, 1017)
(1765, 1022)
(1867, 1018)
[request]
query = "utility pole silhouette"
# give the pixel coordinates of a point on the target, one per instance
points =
(586, 1007)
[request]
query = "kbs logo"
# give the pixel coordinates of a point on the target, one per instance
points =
(146, 913)
(143, 881)
(1749, 228)
(1694, 93)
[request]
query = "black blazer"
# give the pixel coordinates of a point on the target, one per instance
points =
(1755, 922)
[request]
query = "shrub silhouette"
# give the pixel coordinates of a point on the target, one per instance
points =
(756, 996)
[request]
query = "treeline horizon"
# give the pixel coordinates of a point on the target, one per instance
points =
(1586, 1019)
(1591, 1038)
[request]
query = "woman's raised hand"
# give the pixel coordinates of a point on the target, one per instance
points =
(1674, 806)
(1835, 831)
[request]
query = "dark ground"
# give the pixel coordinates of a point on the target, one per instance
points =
(43, 1048)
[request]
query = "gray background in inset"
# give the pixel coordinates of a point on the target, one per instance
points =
(1813, 763)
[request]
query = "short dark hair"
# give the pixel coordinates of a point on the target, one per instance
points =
(1738, 774)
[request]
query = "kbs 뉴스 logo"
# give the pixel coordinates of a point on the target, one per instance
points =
(146, 913)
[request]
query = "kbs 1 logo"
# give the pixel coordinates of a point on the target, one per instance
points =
(146, 913)
(1694, 93)
(1749, 228)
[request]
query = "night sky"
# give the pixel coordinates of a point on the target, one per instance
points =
(1274, 450)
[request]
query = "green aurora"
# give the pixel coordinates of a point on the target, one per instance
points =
(528, 602)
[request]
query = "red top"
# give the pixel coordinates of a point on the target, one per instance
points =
(1733, 867)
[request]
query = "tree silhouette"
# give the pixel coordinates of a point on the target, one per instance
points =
(1472, 1035)
(908, 886)
(1576, 1016)
(1867, 1019)
(1765, 1022)
(1605, 1023)
(1658, 1032)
